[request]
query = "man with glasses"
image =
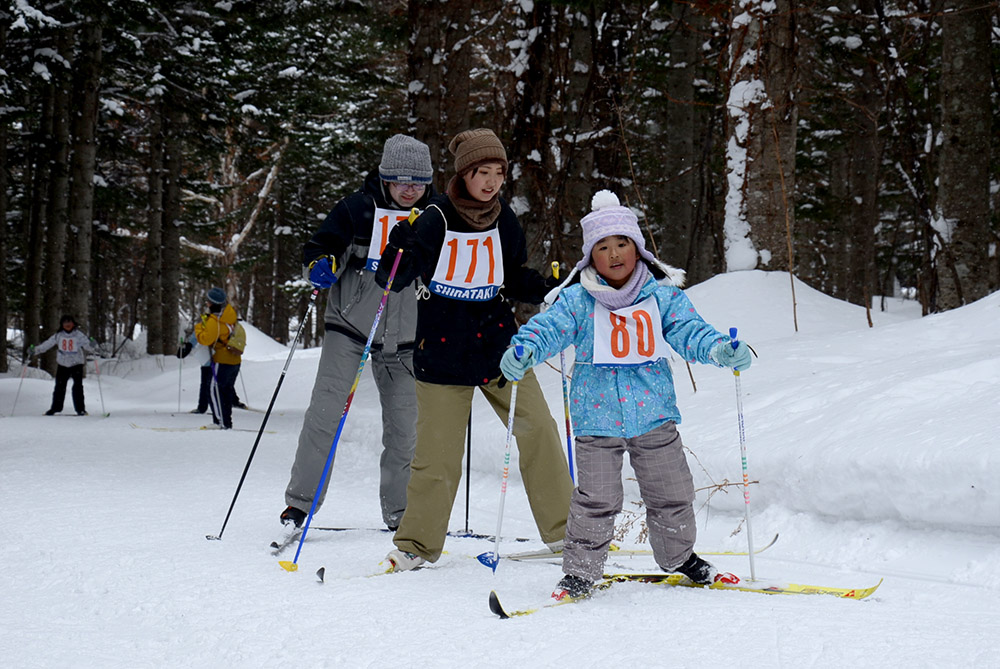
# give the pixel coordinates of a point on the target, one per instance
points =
(342, 256)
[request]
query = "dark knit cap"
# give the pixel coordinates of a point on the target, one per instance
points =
(217, 296)
(405, 160)
(473, 147)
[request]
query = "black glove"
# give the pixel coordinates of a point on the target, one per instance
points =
(384, 267)
(183, 351)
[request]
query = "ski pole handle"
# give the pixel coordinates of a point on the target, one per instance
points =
(735, 343)
(555, 270)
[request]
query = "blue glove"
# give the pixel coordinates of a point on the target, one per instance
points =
(513, 368)
(738, 358)
(321, 272)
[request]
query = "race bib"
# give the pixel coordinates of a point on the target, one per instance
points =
(67, 344)
(470, 266)
(629, 336)
(385, 221)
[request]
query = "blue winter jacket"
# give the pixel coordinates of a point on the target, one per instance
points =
(619, 401)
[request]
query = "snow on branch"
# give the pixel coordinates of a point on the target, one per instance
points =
(202, 248)
(262, 196)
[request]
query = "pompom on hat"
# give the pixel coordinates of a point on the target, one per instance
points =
(473, 147)
(606, 218)
(405, 160)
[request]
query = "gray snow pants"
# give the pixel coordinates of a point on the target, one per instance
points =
(665, 484)
(394, 379)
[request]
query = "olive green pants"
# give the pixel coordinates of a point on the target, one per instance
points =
(436, 470)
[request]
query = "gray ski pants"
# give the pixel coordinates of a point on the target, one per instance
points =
(665, 484)
(394, 379)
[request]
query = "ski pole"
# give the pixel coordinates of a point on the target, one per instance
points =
(293, 565)
(214, 398)
(492, 560)
(743, 457)
(180, 371)
(97, 369)
(565, 392)
(267, 414)
(24, 368)
(468, 467)
(244, 383)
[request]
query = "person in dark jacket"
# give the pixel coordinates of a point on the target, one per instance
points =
(469, 249)
(343, 256)
(71, 349)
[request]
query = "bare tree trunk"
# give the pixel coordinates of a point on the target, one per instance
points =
(84, 129)
(531, 134)
(171, 255)
(4, 285)
(37, 185)
(285, 257)
(439, 61)
(963, 220)
(766, 66)
(677, 234)
(865, 150)
(153, 296)
(58, 201)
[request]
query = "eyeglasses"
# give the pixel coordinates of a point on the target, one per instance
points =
(408, 187)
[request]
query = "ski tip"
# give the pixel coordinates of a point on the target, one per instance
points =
(320, 574)
(495, 606)
(288, 566)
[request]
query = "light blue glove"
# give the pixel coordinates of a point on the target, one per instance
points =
(321, 272)
(738, 358)
(513, 368)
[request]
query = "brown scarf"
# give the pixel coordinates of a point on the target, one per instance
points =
(479, 215)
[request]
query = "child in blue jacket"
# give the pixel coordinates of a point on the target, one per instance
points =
(621, 319)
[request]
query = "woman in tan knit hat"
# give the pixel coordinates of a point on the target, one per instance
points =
(469, 249)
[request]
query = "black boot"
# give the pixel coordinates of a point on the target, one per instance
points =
(698, 570)
(572, 587)
(293, 516)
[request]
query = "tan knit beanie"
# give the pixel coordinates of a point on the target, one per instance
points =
(476, 146)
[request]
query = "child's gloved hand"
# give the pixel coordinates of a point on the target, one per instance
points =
(513, 368)
(738, 358)
(321, 272)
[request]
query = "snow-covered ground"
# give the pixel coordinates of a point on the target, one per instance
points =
(877, 453)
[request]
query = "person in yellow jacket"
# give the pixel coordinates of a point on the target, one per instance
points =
(214, 331)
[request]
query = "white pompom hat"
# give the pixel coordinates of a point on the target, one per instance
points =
(606, 218)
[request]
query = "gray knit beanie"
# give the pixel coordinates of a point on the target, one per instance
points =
(405, 160)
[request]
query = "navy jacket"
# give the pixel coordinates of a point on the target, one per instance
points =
(346, 234)
(460, 342)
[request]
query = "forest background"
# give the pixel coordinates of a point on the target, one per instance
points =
(151, 149)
